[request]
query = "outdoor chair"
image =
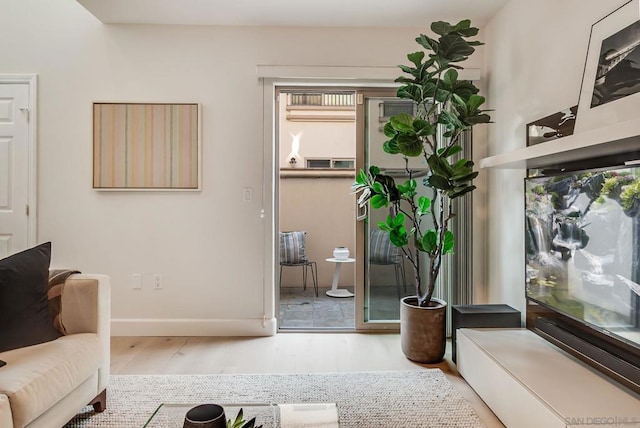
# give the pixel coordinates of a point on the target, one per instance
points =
(292, 253)
(383, 252)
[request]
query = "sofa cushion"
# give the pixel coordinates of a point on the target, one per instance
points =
(37, 377)
(24, 308)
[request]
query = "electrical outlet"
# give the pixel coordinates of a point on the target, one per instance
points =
(157, 281)
(136, 281)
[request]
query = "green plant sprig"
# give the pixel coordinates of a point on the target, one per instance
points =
(240, 422)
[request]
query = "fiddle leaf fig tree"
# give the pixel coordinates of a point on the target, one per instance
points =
(445, 108)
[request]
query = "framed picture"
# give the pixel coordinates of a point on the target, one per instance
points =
(552, 127)
(611, 79)
(146, 146)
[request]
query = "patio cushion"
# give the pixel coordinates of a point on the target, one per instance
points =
(292, 247)
(381, 250)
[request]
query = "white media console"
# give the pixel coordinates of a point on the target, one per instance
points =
(530, 383)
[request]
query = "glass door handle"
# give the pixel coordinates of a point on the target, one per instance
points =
(361, 212)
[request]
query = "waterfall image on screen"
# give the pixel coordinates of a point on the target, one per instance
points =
(582, 247)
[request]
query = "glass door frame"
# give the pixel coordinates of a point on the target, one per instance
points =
(284, 88)
(362, 94)
(272, 88)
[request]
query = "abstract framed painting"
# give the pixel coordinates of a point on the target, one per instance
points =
(146, 146)
(611, 79)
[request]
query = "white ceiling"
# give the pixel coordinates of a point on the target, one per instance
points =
(307, 13)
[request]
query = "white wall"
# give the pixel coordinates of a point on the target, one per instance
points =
(324, 208)
(534, 59)
(209, 244)
(326, 139)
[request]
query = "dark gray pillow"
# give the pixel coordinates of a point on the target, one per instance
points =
(24, 310)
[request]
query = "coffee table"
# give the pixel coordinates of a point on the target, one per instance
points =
(269, 415)
(171, 415)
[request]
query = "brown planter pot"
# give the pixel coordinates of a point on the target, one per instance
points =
(423, 333)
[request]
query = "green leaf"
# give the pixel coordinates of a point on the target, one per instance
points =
(462, 192)
(403, 79)
(474, 102)
(237, 423)
(454, 48)
(449, 151)
(379, 201)
(429, 89)
(424, 204)
(416, 58)
(465, 29)
(464, 89)
(468, 177)
(409, 70)
(408, 190)
(441, 28)
(470, 32)
(450, 78)
(439, 182)
(409, 92)
(389, 131)
(450, 120)
(374, 170)
(411, 184)
(460, 104)
(463, 163)
(384, 226)
(429, 241)
(402, 122)
(481, 118)
(420, 124)
(377, 187)
(410, 145)
(391, 147)
(465, 23)
(427, 43)
(447, 242)
(398, 237)
(439, 166)
(398, 220)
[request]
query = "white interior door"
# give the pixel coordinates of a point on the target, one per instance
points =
(15, 168)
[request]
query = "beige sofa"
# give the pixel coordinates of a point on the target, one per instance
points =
(45, 385)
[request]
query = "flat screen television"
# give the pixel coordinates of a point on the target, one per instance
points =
(583, 248)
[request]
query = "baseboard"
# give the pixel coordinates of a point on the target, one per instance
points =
(193, 327)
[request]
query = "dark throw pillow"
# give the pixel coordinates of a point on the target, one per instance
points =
(24, 309)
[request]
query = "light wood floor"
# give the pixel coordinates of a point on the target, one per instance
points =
(282, 353)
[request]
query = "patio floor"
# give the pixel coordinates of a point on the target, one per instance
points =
(301, 309)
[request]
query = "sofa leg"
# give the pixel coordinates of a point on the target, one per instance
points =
(100, 402)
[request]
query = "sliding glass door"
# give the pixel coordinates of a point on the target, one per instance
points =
(383, 276)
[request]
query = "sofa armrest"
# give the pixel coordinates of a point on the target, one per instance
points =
(86, 304)
(6, 417)
(86, 308)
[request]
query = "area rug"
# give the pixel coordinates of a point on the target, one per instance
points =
(403, 399)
